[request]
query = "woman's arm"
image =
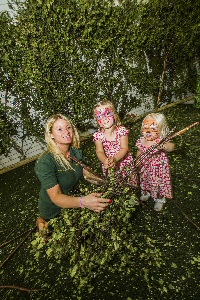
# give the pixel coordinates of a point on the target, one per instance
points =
(91, 201)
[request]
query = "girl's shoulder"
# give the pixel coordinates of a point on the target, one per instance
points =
(98, 135)
(122, 130)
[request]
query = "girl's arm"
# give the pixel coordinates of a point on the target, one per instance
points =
(91, 201)
(101, 154)
(123, 148)
(121, 154)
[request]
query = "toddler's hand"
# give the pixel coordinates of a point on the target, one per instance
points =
(106, 163)
(161, 146)
(112, 162)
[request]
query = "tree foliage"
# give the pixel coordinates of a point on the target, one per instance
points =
(63, 56)
(6, 125)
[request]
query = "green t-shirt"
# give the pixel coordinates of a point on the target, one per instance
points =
(50, 173)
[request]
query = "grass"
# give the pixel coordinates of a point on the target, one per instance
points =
(167, 262)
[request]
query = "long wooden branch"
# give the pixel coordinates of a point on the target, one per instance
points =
(138, 161)
(144, 155)
(168, 137)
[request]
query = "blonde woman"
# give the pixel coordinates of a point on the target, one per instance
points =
(155, 179)
(58, 174)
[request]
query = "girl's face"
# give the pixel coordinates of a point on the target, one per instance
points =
(105, 116)
(150, 129)
(62, 132)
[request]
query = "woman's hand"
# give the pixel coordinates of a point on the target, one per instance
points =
(95, 202)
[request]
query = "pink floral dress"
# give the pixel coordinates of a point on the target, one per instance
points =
(126, 166)
(155, 173)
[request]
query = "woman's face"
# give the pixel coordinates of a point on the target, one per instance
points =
(150, 129)
(62, 132)
(104, 116)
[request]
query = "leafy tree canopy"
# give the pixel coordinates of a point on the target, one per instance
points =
(63, 56)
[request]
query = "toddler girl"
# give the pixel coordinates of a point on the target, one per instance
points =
(155, 179)
(111, 142)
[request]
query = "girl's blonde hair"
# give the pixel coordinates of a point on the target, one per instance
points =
(117, 121)
(161, 121)
(52, 147)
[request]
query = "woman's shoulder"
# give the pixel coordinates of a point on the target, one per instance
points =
(44, 157)
(45, 160)
(77, 152)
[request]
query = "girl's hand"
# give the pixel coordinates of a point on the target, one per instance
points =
(112, 162)
(95, 203)
(106, 163)
(168, 146)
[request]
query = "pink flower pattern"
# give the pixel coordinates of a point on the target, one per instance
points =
(111, 148)
(155, 173)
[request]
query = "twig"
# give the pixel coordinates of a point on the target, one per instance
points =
(9, 256)
(6, 243)
(20, 288)
(9, 235)
(186, 216)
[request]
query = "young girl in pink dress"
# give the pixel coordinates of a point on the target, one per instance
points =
(111, 142)
(154, 170)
